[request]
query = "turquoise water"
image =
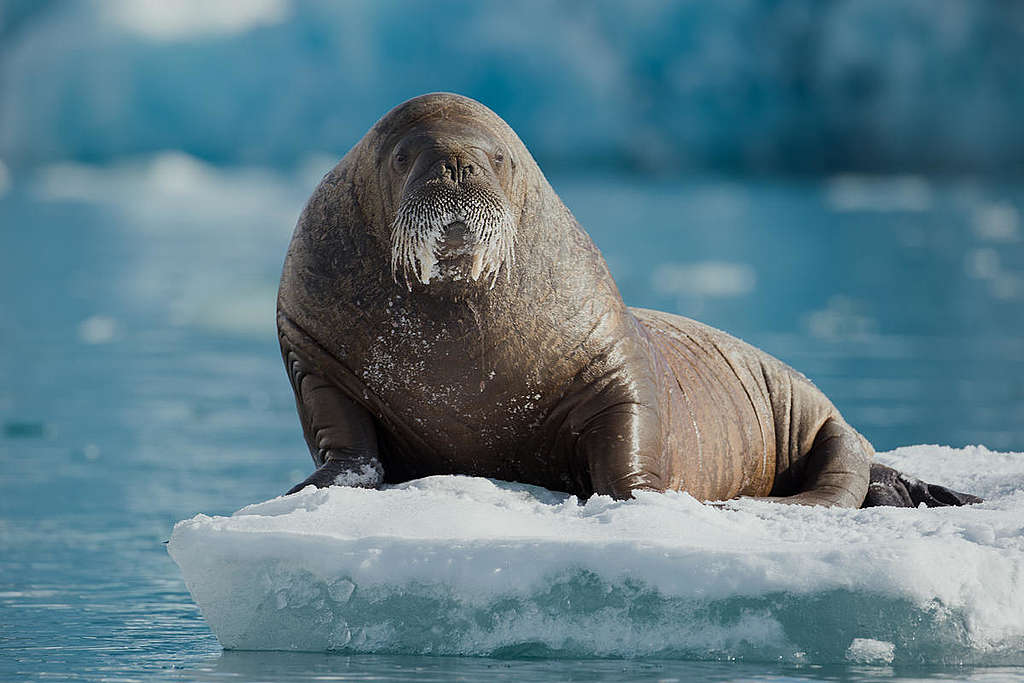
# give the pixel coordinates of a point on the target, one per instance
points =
(141, 382)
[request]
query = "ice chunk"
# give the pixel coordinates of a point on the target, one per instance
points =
(470, 566)
(868, 651)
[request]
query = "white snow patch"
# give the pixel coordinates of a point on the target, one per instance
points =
(366, 475)
(470, 566)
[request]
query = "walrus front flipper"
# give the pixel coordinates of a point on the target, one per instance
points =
(340, 433)
(342, 473)
(617, 466)
(892, 488)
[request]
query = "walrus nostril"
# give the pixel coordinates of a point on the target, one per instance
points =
(454, 170)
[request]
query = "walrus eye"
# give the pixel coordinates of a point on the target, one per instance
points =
(500, 160)
(399, 160)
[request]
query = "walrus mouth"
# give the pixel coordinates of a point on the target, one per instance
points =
(452, 233)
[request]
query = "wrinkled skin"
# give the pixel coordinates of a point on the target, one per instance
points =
(521, 362)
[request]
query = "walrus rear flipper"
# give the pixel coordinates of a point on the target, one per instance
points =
(894, 489)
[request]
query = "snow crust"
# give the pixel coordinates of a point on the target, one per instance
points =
(471, 566)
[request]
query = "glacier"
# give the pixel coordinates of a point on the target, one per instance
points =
(454, 565)
(795, 86)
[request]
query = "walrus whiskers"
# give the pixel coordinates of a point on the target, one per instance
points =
(425, 213)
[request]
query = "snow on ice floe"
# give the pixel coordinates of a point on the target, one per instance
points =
(470, 566)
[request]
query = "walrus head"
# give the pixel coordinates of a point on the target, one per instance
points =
(451, 170)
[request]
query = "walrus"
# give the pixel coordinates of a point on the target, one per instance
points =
(442, 312)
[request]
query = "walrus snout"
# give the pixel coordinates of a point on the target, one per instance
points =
(454, 220)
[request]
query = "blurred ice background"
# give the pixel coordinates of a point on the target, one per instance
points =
(836, 181)
(747, 86)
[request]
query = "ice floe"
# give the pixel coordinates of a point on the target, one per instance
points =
(470, 566)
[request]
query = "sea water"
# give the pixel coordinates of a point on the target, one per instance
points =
(141, 385)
